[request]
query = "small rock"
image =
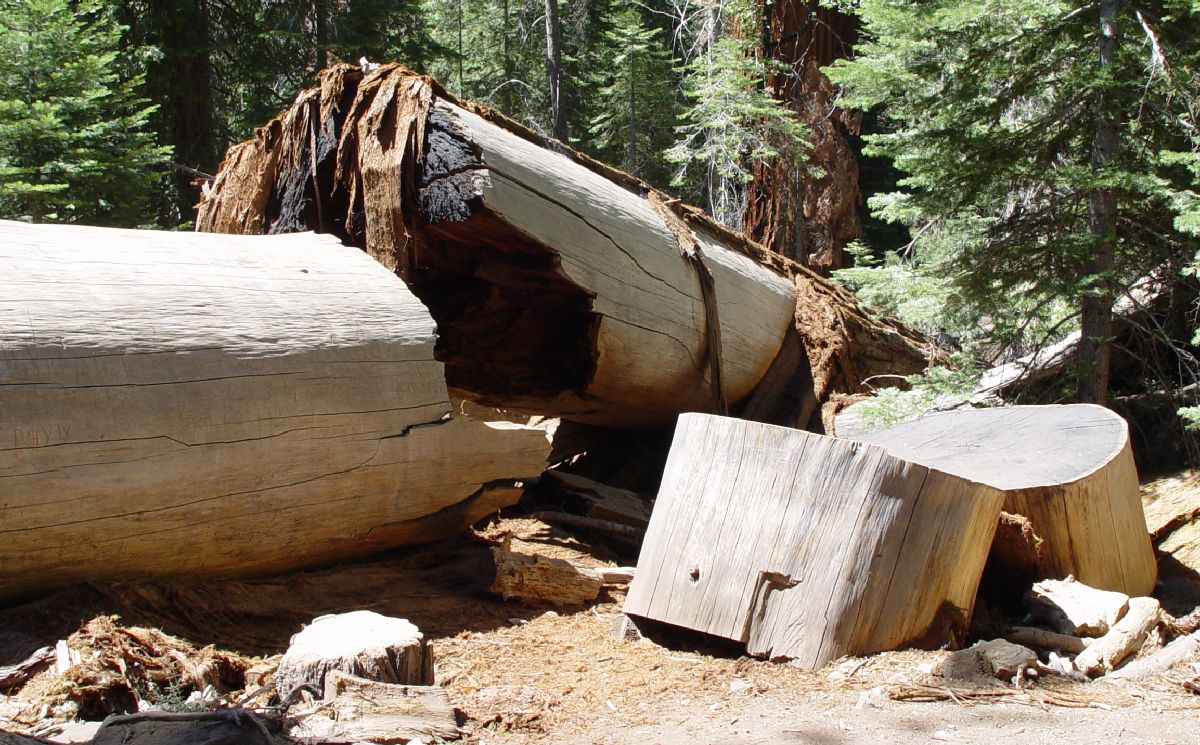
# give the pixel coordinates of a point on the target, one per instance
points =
(75, 732)
(874, 698)
(738, 685)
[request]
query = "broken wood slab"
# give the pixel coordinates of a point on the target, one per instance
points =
(362, 643)
(1073, 608)
(543, 579)
(358, 710)
(1125, 638)
(1068, 470)
(23, 655)
(599, 500)
(559, 286)
(197, 404)
(810, 547)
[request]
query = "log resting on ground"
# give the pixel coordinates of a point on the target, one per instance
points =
(810, 547)
(1068, 470)
(176, 403)
(560, 286)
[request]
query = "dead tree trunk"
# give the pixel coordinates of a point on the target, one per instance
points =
(807, 211)
(560, 286)
(174, 404)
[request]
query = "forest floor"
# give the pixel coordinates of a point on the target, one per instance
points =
(522, 674)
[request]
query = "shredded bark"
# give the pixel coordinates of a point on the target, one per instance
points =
(689, 250)
(347, 158)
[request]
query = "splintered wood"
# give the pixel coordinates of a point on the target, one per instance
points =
(558, 284)
(810, 547)
(359, 710)
(1068, 470)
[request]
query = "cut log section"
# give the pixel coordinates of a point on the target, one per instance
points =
(1068, 470)
(361, 643)
(176, 403)
(560, 286)
(810, 547)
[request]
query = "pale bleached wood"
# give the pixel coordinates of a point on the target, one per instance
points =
(361, 643)
(1068, 469)
(809, 547)
(175, 403)
(1074, 608)
(1183, 648)
(611, 243)
(356, 710)
(1125, 638)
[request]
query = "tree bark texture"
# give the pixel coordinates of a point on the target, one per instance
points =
(554, 70)
(560, 286)
(807, 211)
(1096, 321)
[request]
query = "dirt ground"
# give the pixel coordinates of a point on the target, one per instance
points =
(525, 674)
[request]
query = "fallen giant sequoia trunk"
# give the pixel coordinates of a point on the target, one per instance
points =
(201, 404)
(559, 286)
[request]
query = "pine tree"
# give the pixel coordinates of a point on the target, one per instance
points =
(74, 139)
(637, 106)
(733, 120)
(1040, 127)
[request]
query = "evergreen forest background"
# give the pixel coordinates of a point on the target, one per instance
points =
(997, 173)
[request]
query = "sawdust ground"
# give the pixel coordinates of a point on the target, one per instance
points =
(523, 674)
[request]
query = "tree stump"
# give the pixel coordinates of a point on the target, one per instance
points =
(810, 547)
(361, 643)
(1068, 470)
